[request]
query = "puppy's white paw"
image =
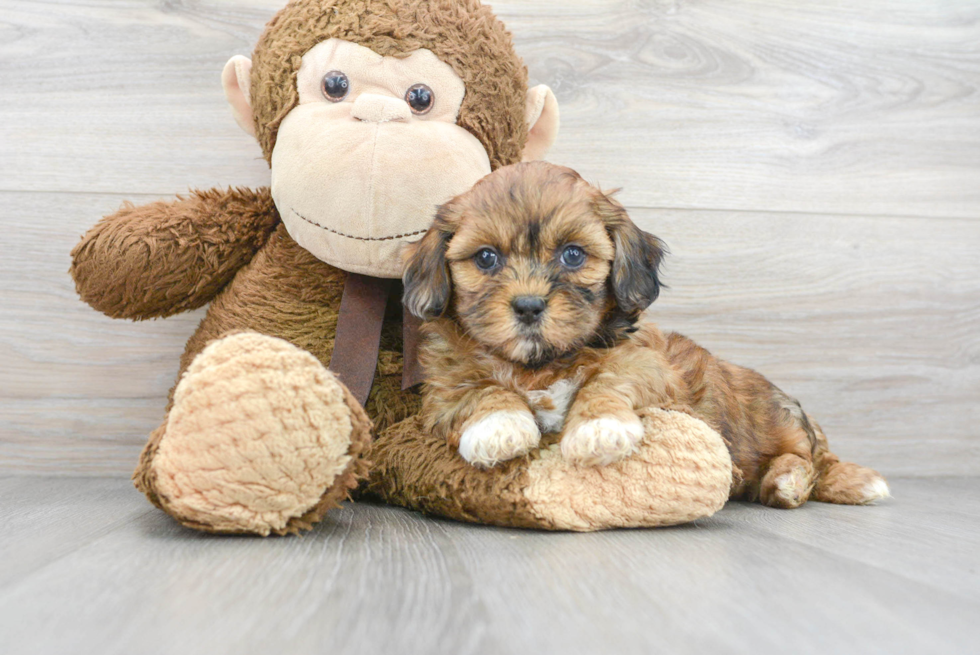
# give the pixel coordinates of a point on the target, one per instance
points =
(792, 487)
(499, 436)
(602, 441)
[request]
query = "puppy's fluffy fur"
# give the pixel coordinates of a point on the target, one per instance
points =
(532, 284)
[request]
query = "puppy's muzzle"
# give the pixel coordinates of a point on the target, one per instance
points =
(528, 309)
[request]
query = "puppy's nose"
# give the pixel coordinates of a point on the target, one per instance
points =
(528, 308)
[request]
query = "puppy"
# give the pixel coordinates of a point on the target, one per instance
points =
(532, 284)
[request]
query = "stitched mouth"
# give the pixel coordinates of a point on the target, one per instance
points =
(353, 236)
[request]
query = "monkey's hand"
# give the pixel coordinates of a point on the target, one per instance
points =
(168, 257)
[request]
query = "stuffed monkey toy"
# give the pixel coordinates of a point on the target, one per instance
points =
(300, 382)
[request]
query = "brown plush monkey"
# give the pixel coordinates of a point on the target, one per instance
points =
(370, 113)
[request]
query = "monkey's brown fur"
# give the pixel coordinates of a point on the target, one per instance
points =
(229, 248)
(482, 359)
(463, 33)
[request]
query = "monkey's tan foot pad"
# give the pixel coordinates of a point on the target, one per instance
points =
(261, 438)
(680, 472)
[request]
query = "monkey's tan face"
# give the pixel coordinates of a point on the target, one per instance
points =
(360, 165)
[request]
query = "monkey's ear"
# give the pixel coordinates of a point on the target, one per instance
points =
(426, 276)
(236, 79)
(542, 122)
(634, 278)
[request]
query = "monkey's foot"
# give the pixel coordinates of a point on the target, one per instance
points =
(261, 438)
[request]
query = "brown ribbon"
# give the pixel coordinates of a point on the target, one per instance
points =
(358, 339)
(412, 369)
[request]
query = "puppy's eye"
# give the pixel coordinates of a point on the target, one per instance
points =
(572, 257)
(486, 259)
(335, 86)
(420, 98)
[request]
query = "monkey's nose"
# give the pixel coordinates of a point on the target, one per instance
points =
(528, 308)
(374, 108)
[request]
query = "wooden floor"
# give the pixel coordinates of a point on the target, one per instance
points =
(87, 566)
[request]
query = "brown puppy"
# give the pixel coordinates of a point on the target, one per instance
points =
(533, 283)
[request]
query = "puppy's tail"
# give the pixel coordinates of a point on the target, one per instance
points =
(844, 483)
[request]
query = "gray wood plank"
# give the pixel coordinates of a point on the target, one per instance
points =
(930, 520)
(378, 579)
(708, 588)
(95, 88)
(861, 108)
(79, 392)
(370, 579)
(864, 109)
(46, 518)
(870, 322)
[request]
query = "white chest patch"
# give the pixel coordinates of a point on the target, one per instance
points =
(551, 405)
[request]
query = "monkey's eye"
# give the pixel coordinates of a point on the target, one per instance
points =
(335, 86)
(420, 98)
(486, 259)
(572, 257)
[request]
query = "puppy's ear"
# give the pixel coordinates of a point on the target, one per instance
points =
(426, 276)
(635, 277)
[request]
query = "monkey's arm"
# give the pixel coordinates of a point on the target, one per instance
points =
(168, 257)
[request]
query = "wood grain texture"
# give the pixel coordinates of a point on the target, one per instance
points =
(819, 107)
(850, 108)
(902, 536)
(45, 519)
(870, 322)
(814, 167)
(376, 579)
(875, 334)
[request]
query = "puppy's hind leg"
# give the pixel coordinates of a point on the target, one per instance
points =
(788, 482)
(845, 483)
(788, 478)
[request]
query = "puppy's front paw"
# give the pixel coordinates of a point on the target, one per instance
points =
(499, 436)
(602, 440)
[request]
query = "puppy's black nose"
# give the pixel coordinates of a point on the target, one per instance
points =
(528, 308)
